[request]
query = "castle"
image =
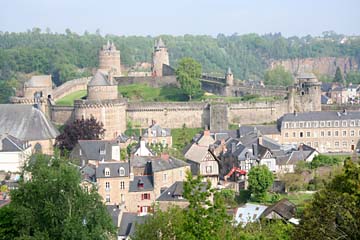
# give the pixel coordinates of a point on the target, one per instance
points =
(104, 103)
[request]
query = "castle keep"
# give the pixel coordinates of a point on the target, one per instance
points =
(159, 59)
(109, 59)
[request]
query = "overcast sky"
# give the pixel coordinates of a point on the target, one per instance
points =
(155, 17)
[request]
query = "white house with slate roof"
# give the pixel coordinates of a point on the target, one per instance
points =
(14, 153)
(158, 135)
(28, 123)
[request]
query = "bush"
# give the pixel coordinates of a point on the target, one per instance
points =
(243, 197)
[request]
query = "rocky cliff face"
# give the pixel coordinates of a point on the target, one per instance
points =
(322, 65)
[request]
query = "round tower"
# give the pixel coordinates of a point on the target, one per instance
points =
(101, 87)
(229, 77)
(160, 57)
(109, 59)
(308, 93)
(104, 104)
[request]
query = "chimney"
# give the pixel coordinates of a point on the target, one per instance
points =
(255, 148)
(164, 156)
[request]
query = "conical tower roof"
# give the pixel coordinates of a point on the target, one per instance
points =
(229, 71)
(160, 43)
(99, 79)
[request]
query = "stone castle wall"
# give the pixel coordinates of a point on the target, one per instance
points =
(62, 114)
(70, 87)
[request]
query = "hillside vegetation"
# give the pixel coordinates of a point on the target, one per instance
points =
(63, 54)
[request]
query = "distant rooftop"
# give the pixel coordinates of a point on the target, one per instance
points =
(320, 116)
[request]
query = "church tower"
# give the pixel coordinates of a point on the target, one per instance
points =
(160, 57)
(109, 59)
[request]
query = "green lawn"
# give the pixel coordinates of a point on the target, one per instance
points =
(142, 92)
(68, 100)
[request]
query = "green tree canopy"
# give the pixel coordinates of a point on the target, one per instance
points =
(188, 75)
(338, 76)
(52, 205)
(278, 77)
(260, 178)
(353, 77)
(83, 129)
(334, 212)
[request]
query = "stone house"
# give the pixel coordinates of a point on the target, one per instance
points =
(339, 95)
(173, 196)
(93, 151)
(155, 135)
(143, 150)
(14, 153)
(113, 180)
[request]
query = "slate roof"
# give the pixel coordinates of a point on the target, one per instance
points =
(26, 122)
(147, 181)
(114, 212)
(93, 149)
(160, 43)
(284, 208)
(326, 87)
(122, 138)
(338, 89)
(228, 71)
(324, 99)
(39, 81)
(158, 131)
(270, 143)
(10, 143)
(88, 173)
(114, 169)
(99, 79)
(128, 223)
(248, 213)
(293, 157)
(173, 193)
(320, 116)
(158, 164)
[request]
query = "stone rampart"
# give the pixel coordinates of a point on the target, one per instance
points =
(70, 87)
(62, 114)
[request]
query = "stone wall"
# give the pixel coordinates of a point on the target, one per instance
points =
(102, 92)
(219, 117)
(62, 114)
(169, 115)
(70, 87)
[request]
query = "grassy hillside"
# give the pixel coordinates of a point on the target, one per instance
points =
(69, 99)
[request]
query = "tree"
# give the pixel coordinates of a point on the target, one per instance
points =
(203, 219)
(278, 77)
(260, 178)
(338, 75)
(334, 211)
(52, 205)
(83, 129)
(353, 77)
(188, 75)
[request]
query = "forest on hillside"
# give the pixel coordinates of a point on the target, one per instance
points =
(70, 55)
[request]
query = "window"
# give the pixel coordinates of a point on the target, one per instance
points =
(315, 124)
(352, 123)
(181, 173)
(102, 151)
(336, 123)
(107, 186)
(208, 169)
(286, 134)
(308, 124)
(337, 144)
(122, 198)
(322, 124)
(329, 133)
(301, 125)
(163, 133)
(344, 133)
(286, 125)
(336, 133)
(107, 172)
(328, 123)
(294, 134)
(352, 133)
(301, 134)
(122, 171)
(308, 143)
(163, 142)
(154, 133)
(164, 177)
(316, 144)
(322, 134)
(344, 144)
(308, 134)
(107, 198)
(344, 123)
(122, 185)
(145, 196)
